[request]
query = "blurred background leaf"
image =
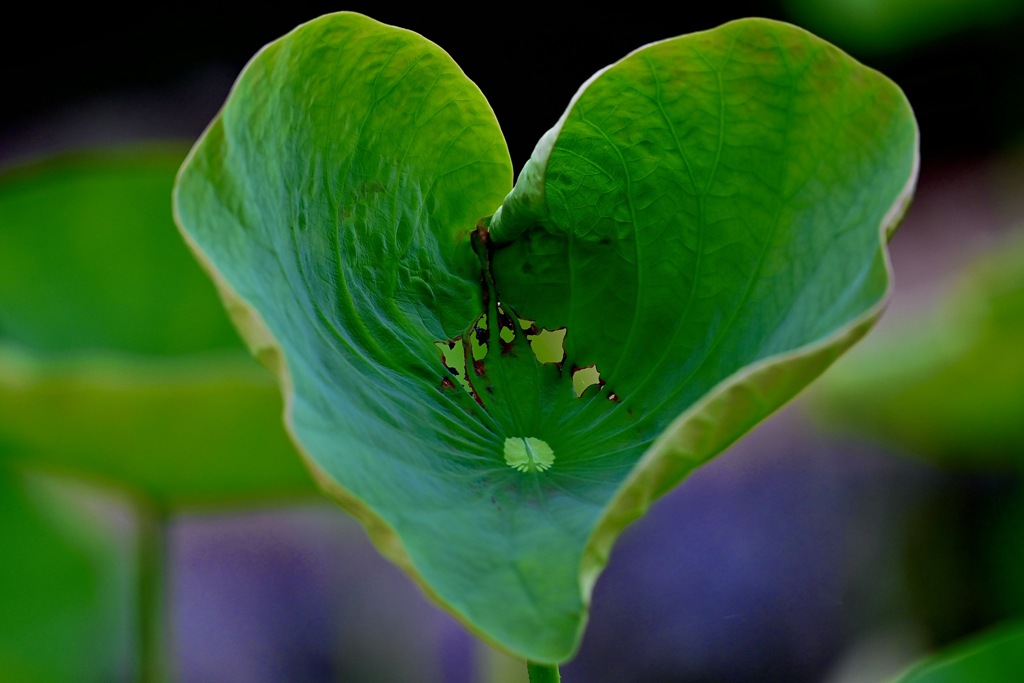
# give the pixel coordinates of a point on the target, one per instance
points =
(890, 25)
(93, 262)
(992, 657)
(117, 365)
(117, 360)
(63, 589)
(950, 388)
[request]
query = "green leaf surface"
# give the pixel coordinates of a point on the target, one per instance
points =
(948, 387)
(702, 232)
(994, 657)
(63, 588)
(116, 359)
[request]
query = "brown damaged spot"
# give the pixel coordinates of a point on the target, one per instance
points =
(483, 235)
(505, 321)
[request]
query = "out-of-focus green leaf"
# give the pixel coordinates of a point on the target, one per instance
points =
(889, 25)
(63, 592)
(995, 657)
(116, 358)
(197, 430)
(706, 222)
(91, 260)
(952, 387)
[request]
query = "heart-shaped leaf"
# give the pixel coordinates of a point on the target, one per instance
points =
(699, 236)
(116, 359)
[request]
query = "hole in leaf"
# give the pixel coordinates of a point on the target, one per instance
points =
(548, 345)
(453, 357)
(584, 378)
(479, 338)
(506, 330)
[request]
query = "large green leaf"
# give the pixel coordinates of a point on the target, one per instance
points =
(116, 358)
(948, 387)
(993, 657)
(706, 221)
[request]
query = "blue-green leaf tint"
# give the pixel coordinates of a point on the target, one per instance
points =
(706, 222)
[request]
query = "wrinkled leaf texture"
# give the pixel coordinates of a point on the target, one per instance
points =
(707, 220)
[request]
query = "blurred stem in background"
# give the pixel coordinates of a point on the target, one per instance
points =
(155, 643)
(542, 673)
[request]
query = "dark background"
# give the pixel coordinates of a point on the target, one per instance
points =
(527, 59)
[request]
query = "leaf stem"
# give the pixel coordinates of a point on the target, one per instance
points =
(154, 642)
(543, 673)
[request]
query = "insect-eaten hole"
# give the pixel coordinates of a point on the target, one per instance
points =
(453, 357)
(548, 346)
(479, 336)
(463, 357)
(506, 330)
(584, 378)
(527, 454)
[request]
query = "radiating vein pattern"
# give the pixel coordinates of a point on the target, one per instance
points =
(704, 191)
(482, 391)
